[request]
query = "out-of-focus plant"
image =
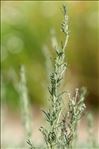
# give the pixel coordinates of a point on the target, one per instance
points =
(25, 106)
(92, 143)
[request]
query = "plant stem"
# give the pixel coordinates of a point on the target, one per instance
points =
(24, 105)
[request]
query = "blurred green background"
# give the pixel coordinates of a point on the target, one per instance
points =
(26, 28)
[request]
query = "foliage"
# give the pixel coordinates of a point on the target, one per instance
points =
(61, 130)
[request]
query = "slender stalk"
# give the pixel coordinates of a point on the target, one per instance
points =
(54, 112)
(24, 105)
(66, 41)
